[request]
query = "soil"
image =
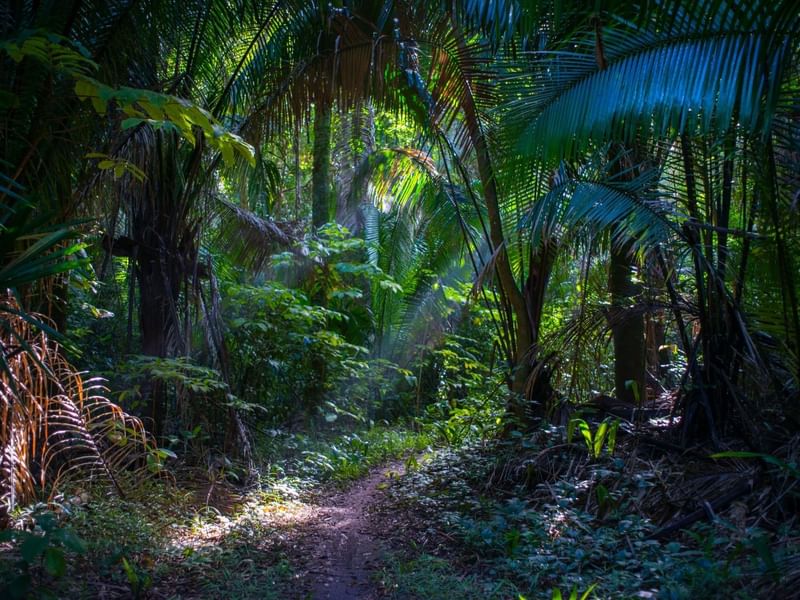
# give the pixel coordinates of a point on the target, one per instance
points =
(339, 548)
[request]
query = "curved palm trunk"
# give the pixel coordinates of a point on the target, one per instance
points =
(526, 304)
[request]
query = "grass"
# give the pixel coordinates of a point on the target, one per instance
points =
(433, 578)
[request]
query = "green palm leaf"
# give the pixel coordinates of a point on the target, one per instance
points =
(630, 209)
(664, 86)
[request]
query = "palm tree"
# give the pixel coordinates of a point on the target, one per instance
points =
(162, 172)
(618, 83)
(545, 115)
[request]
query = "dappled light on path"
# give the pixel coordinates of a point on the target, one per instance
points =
(341, 547)
(329, 541)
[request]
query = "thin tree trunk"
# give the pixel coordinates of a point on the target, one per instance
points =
(627, 327)
(698, 419)
(297, 172)
(724, 211)
(321, 201)
(509, 291)
(320, 175)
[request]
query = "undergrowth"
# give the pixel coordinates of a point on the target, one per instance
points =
(476, 540)
(523, 518)
(159, 539)
(344, 457)
(204, 535)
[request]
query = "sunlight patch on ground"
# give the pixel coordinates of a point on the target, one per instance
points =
(260, 516)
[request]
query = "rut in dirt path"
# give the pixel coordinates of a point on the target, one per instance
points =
(341, 548)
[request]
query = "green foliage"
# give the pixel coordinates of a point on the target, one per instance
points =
(118, 166)
(157, 457)
(433, 578)
(163, 111)
(31, 250)
(31, 253)
(42, 551)
(350, 455)
(275, 335)
(57, 52)
(139, 582)
(288, 344)
(573, 594)
(162, 539)
(605, 436)
(134, 526)
(194, 388)
(505, 131)
(451, 386)
(94, 322)
(197, 393)
(629, 206)
(543, 539)
(180, 372)
(340, 269)
(140, 106)
(787, 468)
(641, 90)
(469, 403)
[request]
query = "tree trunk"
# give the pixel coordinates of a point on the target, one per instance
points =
(320, 175)
(537, 389)
(158, 298)
(658, 356)
(523, 359)
(627, 327)
(321, 204)
(297, 172)
(164, 254)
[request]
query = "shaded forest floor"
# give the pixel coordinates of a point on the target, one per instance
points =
(387, 515)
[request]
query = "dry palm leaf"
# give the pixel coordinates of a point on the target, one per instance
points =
(55, 426)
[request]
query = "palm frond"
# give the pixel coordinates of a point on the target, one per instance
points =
(632, 210)
(55, 426)
(663, 86)
(249, 239)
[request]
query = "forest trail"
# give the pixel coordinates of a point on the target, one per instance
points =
(340, 547)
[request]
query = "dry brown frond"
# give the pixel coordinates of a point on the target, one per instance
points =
(251, 240)
(55, 426)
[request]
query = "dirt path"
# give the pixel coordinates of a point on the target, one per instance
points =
(339, 547)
